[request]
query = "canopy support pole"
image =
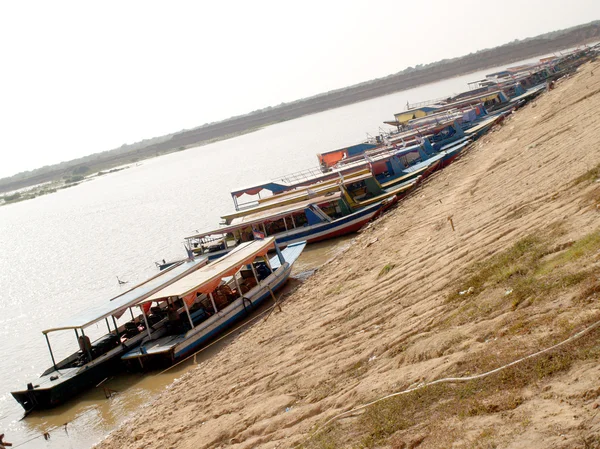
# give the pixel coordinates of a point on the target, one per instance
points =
(146, 323)
(131, 311)
(107, 325)
(237, 285)
(50, 349)
(268, 286)
(254, 273)
(264, 229)
(116, 327)
(187, 310)
(285, 224)
(268, 263)
(210, 295)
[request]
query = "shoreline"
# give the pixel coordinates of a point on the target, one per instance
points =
(412, 300)
(231, 127)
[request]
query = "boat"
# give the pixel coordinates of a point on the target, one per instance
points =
(376, 161)
(95, 361)
(322, 189)
(313, 220)
(215, 297)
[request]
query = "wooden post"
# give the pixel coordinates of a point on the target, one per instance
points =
(451, 223)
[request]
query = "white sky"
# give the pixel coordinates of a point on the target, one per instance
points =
(81, 77)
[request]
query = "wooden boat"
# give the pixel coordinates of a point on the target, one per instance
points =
(312, 221)
(377, 161)
(97, 360)
(215, 297)
(325, 188)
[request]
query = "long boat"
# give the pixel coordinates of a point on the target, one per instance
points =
(97, 360)
(376, 161)
(322, 189)
(215, 297)
(312, 221)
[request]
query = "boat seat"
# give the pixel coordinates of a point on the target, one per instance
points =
(156, 310)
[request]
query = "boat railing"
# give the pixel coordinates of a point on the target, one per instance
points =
(420, 104)
(303, 175)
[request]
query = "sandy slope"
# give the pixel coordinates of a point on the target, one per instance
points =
(351, 333)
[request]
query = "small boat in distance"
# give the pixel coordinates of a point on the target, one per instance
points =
(214, 297)
(97, 360)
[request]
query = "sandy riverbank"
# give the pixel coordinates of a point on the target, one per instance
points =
(387, 314)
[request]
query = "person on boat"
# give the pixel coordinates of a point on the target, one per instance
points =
(4, 444)
(85, 346)
(174, 318)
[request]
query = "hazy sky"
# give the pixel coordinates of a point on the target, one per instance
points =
(82, 77)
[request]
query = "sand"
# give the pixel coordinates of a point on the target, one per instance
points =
(386, 315)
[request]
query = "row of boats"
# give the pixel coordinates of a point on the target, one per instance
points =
(231, 269)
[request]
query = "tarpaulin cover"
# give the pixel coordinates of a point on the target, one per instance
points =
(206, 279)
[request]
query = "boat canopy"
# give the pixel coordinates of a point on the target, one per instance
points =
(280, 212)
(302, 193)
(329, 158)
(272, 186)
(207, 278)
(117, 305)
(267, 215)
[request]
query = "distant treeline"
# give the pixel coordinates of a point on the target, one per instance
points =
(406, 79)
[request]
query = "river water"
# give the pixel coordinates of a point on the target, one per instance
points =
(62, 252)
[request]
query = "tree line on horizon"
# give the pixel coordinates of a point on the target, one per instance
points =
(405, 79)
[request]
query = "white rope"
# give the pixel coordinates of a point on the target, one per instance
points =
(461, 379)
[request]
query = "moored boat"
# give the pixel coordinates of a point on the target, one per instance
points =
(313, 220)
(97, 360)
(215, 297)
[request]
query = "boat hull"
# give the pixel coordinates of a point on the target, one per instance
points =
(60, 392)
(170, 353)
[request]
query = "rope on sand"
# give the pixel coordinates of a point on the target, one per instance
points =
(460, 379)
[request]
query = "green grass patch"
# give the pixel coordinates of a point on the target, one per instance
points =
(527, 270)
(588, 176)
(497, 393)
(386, 269)
(514, 262)
(583, 247)
(334, 290)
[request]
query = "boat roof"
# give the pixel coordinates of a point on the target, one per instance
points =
(268, 214)
(129, 298)
(207, 278)
(281, 211)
